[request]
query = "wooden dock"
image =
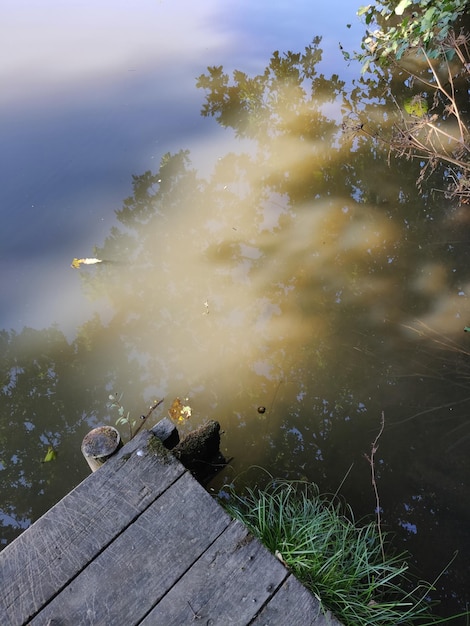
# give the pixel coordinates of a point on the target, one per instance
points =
(140, 541)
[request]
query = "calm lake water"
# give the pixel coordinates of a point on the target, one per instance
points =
(279, 262)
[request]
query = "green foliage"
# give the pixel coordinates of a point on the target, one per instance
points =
(416, 106)
(394, 29)
(417, 43)
(341, 562)
(124, 418)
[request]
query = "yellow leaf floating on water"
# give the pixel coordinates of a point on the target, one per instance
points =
(179, 411)
(77, 262)
(50, 455)
(416, 106)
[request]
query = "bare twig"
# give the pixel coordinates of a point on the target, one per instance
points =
(430, 137)
(371, 460)
(145, 417)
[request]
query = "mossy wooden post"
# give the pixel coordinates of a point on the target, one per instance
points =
(99, 445)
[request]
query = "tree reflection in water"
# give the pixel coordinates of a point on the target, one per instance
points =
(286, 278)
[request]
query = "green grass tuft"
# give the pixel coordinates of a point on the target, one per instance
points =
(339, 561)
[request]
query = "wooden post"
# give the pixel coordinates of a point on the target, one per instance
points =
(99, 445)
(167, 432)
(199, 451)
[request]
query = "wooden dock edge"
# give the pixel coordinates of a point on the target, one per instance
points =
(140, 541)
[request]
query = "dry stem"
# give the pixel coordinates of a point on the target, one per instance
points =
(145, 417)
(422, 136)
(371, 460)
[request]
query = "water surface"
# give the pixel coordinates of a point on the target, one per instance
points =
(294, 268)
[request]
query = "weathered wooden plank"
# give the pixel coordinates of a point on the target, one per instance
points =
(227, 585)
(141, 542)
(125, 581)
(293, 604)
(51, 552)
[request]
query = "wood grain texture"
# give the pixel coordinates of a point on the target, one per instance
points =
(125, 581)
(293, 604)
(47, 555)
(142, 542)
(227, 585)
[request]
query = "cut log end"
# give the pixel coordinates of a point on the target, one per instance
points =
(99, 444)
(200, 452)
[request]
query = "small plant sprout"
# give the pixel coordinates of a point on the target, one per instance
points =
(124, 418)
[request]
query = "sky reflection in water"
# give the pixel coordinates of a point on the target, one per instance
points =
(236, 294)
